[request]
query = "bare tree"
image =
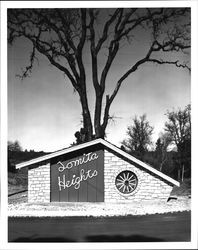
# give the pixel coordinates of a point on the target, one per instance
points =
(62, 35)
(139, 136)
(179, 125)
(179, 129)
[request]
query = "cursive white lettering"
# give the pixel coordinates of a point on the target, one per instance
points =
(75, 163)
(62, 167)
(76, 181)
(94, 156)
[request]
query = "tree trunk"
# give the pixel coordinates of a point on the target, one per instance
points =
(99, 131)
(87, 124)
(179, 176)
(182, 173)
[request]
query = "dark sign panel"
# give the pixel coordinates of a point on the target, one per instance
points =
(78, 179)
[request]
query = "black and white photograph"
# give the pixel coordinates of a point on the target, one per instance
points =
(98, 131)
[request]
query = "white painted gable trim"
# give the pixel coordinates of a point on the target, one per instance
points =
(106, 144)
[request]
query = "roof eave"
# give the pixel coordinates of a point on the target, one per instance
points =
(57, 153)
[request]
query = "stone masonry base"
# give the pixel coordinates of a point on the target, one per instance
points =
(149, 187)
(39, 184)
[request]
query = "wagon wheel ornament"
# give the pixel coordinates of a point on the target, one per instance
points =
(126, 182)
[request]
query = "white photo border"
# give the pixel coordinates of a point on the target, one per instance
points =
(3, 137)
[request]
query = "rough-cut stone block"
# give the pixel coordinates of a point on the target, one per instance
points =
(39, 184)
(149, 186)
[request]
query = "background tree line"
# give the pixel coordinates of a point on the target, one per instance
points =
(171, 153)
(16, 154)
(176, 135)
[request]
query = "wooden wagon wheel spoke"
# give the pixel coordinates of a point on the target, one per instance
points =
(131, 176)
(126, 182)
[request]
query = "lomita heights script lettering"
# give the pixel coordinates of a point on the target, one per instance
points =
(75, 181)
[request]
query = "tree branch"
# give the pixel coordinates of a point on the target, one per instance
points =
(54, 63)
(93, 52)
(28, 69)
(66, 30)
(135, 22)
(176, 63)
(106, 28)
(69, 57)
(156, 46)
(80, 47)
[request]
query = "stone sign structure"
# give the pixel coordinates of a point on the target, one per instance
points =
(96, 171)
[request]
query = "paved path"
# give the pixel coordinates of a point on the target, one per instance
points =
(149, 228)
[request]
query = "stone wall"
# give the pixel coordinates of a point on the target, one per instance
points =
(150, 187)
(39, 184)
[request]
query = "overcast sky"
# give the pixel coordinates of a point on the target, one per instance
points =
(44, 112)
